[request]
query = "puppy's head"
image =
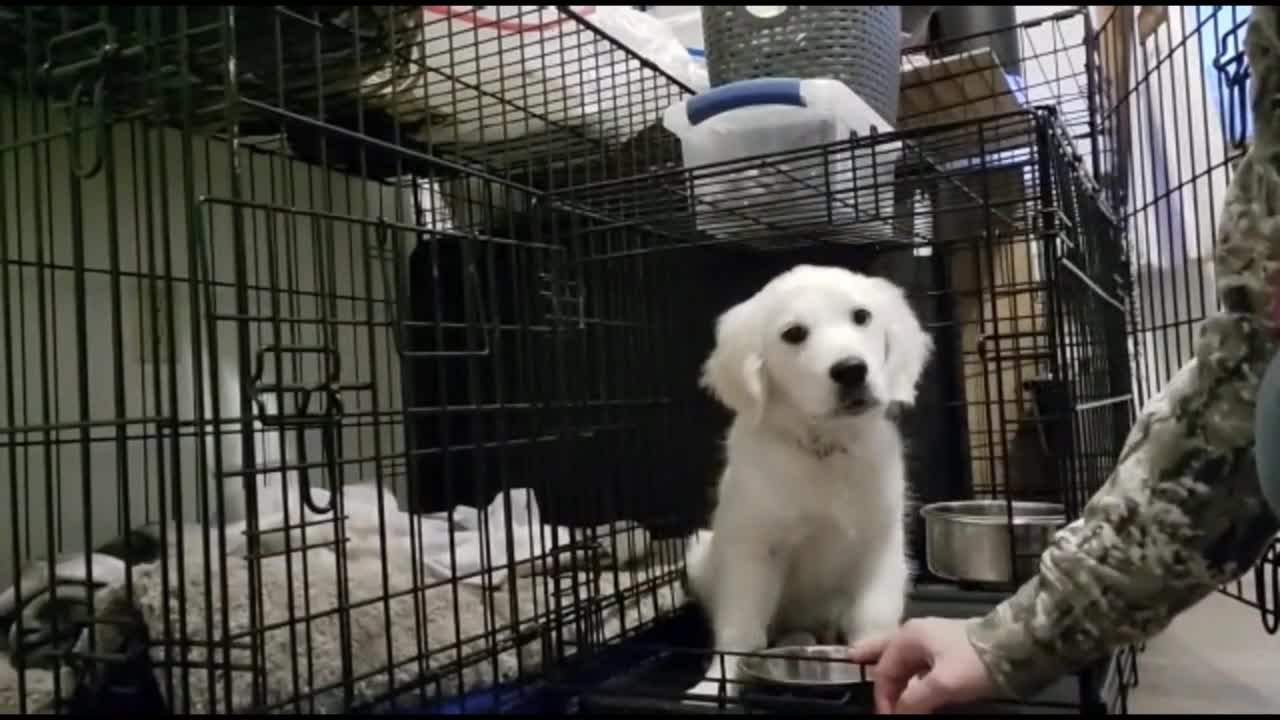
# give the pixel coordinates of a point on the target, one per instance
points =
(825, 341)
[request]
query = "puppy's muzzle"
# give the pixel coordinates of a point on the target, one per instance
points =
(850, 376)
(849, 373)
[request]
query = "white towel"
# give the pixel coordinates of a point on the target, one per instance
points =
(480, 541)
(469, 616)
(466, 543)
(478, 547)
(492, 539)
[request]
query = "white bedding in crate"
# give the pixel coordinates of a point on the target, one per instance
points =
(305, 659)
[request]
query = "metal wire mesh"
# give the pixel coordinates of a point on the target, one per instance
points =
(228, 362)
(965, 77)
(656, 665)
(1169, 143)
(1176, 120)
(1012, 254)
(348, 351)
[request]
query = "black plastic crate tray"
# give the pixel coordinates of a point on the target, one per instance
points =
(657, 684)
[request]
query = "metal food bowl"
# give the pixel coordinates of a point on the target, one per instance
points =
(807, 666)
(970, 541)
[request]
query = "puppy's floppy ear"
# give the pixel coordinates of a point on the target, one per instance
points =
(734, 372)
(907, 348)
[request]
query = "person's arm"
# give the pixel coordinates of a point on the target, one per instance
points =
(1267, 430)
(1182, 513)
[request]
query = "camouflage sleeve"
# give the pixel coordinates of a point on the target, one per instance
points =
(1182, 512)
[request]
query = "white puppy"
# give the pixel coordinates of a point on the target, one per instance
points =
(808, 533)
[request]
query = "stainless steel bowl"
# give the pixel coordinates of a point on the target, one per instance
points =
(803, 666)
(969, 540)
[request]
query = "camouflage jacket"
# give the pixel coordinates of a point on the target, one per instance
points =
(1182, 513)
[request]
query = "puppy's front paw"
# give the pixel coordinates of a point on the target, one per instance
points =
(876, 614)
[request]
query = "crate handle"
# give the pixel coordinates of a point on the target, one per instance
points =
(99, 129)
(744, 93)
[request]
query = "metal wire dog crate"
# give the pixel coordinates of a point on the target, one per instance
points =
(1015, 263)
(1175, 123)
(263, 396)
(349, 353)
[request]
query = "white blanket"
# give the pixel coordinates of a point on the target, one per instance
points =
(479, 548)
(427, 613)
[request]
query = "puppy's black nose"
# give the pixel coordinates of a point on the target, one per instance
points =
(849, 373)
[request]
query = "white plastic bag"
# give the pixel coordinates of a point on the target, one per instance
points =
(651, 38)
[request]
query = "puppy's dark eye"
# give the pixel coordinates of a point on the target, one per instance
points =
(861, 316)
(795, 334)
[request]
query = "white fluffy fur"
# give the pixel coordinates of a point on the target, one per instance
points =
(806, 542)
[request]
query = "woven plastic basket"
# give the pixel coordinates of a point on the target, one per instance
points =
(858, 46)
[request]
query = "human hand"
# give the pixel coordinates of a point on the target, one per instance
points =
(924, 665)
